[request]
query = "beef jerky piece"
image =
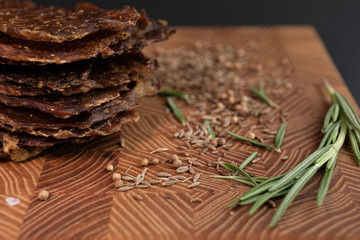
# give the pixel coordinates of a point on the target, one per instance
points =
(56, 24)
(79, 76)
(12, 89)
(65, 106)
(13, 50)
(103, 128)
(6, 4)
(103, 43)
(24, 120)
(11, 140)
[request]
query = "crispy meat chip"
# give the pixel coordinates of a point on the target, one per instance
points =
(64, 106)
(56, 24)
(104, 43)
(26, 120)
(77, 77)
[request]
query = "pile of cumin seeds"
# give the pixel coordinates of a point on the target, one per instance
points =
(217, 79)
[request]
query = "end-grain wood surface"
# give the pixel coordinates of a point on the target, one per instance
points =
(84, 203)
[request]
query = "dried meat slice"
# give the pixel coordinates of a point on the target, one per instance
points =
(65, 106)
(56, 24)
(103, 43)
(103, 128)
(74, 78)
(25, 120)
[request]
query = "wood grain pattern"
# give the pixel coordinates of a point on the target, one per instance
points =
(85, 205)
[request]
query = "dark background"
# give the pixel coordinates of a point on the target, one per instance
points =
(337, 21)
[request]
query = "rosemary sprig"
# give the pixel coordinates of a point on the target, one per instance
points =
(239, 170)
(260, 93)
(341, 120)
(176, 111)
(260, 144)
(248, 160)
(209, 129)
(279, 137)
(174, 93)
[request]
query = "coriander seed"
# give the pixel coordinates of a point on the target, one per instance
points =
(109, 167)
(43, 195)
(144, 162)
(116, 176)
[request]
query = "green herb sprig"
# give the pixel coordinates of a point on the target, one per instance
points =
(341, 120)
(174, 93)
(260, 93)
(260, 144)
(176, 111)
(209, 129)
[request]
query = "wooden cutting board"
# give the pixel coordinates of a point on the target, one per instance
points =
(85, 204)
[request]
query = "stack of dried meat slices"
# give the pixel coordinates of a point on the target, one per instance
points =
(70, 74)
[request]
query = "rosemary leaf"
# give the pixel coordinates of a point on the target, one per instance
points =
(174, 93)
(262, 187)
(349, 111)
(209, 129)
(248, 160)
(260, 93)
(176, 111)
(328, 132)
(354, 146)
(260, 144)
(279, 137)
(266, 197)
(295, 189)
(329, 114)
(336, 113)
(301, 166)
(334, 134)
(324, 184)
(237, 169)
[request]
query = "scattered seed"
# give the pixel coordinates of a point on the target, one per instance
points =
(194, 184)
(122, 142)
(196, 200)
(191, 170)
(116, 176)
(128, 178)
(155, 181)
(138, 197)
(177, 163)
(182, 169)
(163, 179)
(155, 161)
(43, 195)
(144, 172)
(159, 150)
(170, 183)
(271, 203)
(284, 157)
(123, 189)
(183, 153)
(232, 213)
(144, 162)
(142, 186)
(256, 160)
(179, 177)
(118, 183)
(163, 174)
(251, 135)
(197, 177)
(109, 167)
